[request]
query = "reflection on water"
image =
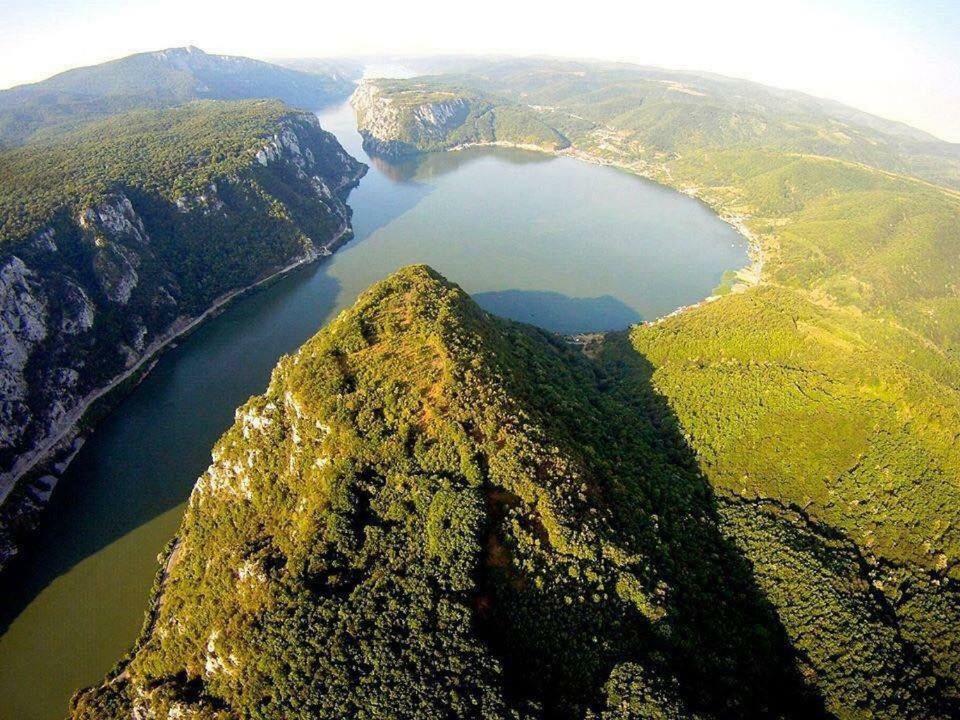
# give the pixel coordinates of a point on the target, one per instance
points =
(432, 167)
(548, 240)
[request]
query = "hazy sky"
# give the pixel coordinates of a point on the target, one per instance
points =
(896, 58)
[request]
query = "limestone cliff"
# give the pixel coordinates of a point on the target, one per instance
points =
(417, 118)
(95, 291)
(391, 127)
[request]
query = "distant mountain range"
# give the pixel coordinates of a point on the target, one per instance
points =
(157, 80)
(660, 113)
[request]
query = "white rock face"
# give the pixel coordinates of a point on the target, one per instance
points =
(437, 118)
(116, 219)
(65, 380)
(23, 323)
(285, 144)
(78, 310)
(115, 226)
(387, 126)
(140, 340)
(46, 240)
(115, 268)
(215, 662)
(208, 201)
(376, 114)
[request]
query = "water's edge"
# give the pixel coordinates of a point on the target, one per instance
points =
(77, 592)
(55, 455)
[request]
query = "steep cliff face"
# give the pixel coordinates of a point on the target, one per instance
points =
(98, 288)
(392, 127)
(407, 119)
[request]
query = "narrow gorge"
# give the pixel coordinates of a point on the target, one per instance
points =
(91, 290)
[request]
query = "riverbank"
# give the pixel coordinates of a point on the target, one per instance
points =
(747, 276)
(27, 488)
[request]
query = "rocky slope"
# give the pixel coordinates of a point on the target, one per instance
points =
(95, 281)
(434, 513)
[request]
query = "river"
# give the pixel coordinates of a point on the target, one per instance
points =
(553, 241)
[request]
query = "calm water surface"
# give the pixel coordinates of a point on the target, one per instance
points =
(567, 245)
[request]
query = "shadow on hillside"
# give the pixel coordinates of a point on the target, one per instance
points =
(144, 457)
(559, 313)
(719, 647)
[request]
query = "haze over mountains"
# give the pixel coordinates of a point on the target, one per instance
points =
(155, 80)
(670, 110)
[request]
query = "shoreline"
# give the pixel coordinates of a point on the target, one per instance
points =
(748, 276)
(70, 428)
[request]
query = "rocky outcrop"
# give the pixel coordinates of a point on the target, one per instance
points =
(398, 118)
(86, 300)
(114, 218)
(23, 324)
(116, 269)
(390, 126)
(78, 311)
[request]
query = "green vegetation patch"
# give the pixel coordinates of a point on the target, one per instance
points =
(432, 512)
(169, 153)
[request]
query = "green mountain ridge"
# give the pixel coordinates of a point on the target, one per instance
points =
(492, 67)
(661, 112)
(40, 111)
(826, 384)
(432, 512)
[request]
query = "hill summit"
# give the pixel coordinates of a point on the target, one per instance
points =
(432, 512)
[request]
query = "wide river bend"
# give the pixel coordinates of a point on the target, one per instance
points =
(553, 241)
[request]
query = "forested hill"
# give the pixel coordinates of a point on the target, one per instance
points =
(662, 113)
(826, 387)
(117, 236)
(156, 80)
(432, 513)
